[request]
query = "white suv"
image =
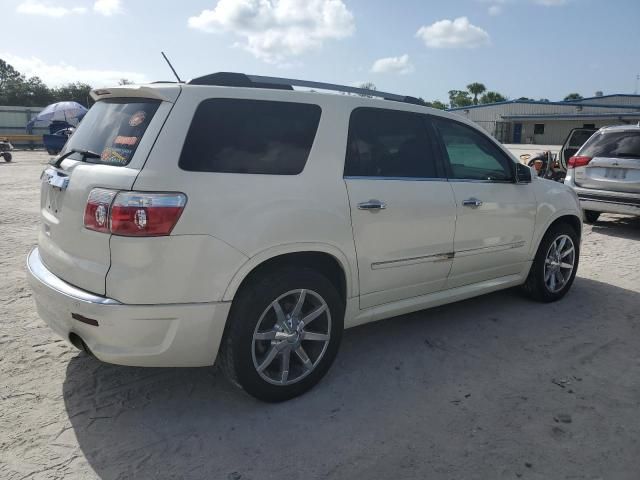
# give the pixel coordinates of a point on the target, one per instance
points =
(236, 219)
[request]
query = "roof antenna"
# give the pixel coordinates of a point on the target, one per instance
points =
(171, 67)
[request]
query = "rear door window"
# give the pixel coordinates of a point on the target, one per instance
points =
(613, 144)
(250, 136)
(387, 143)
(113, 129)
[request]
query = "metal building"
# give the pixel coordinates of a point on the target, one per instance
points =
(549, 123)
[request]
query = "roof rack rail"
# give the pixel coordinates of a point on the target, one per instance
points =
(231, 79)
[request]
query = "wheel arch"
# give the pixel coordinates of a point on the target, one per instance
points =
(325, 258)
(569, 218)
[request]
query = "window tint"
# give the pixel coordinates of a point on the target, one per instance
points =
(472, 155)
(613, 144)
(579, 137)
(113, 128)
(250, 136)
(388, 143)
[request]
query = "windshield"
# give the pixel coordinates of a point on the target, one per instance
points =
(579, 137)
(112, 128)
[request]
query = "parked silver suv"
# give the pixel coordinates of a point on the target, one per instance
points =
(605, 172)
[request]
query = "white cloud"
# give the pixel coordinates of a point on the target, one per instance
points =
(61, 73)
(274, 30)
(107, 7)
(551, 3)
(30, 7)
(458, 33)
(495, 10)
(399, 65)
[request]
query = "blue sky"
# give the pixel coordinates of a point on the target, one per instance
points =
(533, 48)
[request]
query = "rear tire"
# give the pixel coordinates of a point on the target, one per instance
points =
(550, 277)
(7, 157)
(590, 216)
(264, 328)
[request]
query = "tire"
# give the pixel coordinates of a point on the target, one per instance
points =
(7, 157)
(545, 264)
(243, 358)
(590, 216)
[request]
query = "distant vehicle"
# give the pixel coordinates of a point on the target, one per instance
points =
(605, 172)
(5, 150)
(54, 142)
(554, 167)
(232, 217)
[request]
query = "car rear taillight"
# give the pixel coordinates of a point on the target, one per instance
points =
(133, 214)
(98, 209)
(578, 161)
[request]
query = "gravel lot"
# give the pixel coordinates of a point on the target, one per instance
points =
(490, 388)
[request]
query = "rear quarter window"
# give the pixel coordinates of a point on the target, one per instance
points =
(250, 136)
(613, 144)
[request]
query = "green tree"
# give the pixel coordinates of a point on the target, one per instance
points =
(439, 105)
(492, 97)
(573, 96)
(367, 86)
(74, 92)
(459, 98)
(476, 89)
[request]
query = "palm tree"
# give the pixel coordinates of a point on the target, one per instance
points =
(476, 89)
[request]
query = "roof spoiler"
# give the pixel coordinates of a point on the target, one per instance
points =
(167, 93)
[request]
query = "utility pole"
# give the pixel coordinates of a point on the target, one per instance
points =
(637, 79)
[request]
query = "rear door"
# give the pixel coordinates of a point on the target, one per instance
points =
(614, 164)
(121, 129)
(402, 207)
(576, 138)
(495, 215)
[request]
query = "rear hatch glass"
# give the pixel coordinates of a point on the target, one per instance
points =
(613, 144)
(615, 162)
(113, 129)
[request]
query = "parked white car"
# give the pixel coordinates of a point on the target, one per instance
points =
(234, 218)
(605, 172)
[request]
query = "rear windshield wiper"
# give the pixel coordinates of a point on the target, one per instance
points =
(85, 154)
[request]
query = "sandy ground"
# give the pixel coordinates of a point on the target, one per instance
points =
(496, 387)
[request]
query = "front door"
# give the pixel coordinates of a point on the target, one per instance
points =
(402, 207)
(495, 215)
(517, 133)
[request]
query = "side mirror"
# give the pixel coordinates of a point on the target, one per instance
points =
(523, 173)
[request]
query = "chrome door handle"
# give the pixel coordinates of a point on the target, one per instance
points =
(373, 205)
(472, 203)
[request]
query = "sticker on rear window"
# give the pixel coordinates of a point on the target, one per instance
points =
(114, 155)
(137, 118)
(123, 140)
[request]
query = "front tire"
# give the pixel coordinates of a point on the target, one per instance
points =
(283, 333)
(7, 157)
(591, 216)
(555, 264)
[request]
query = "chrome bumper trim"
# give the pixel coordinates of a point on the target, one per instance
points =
(39, 271)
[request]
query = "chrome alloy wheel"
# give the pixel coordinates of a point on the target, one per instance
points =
(291, 337)
(559, 263)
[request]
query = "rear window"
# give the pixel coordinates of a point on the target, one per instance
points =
(613, 144)
(250, 136)
(113, 128)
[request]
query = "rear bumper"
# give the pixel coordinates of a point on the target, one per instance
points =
(608, 202)
(172, 335)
